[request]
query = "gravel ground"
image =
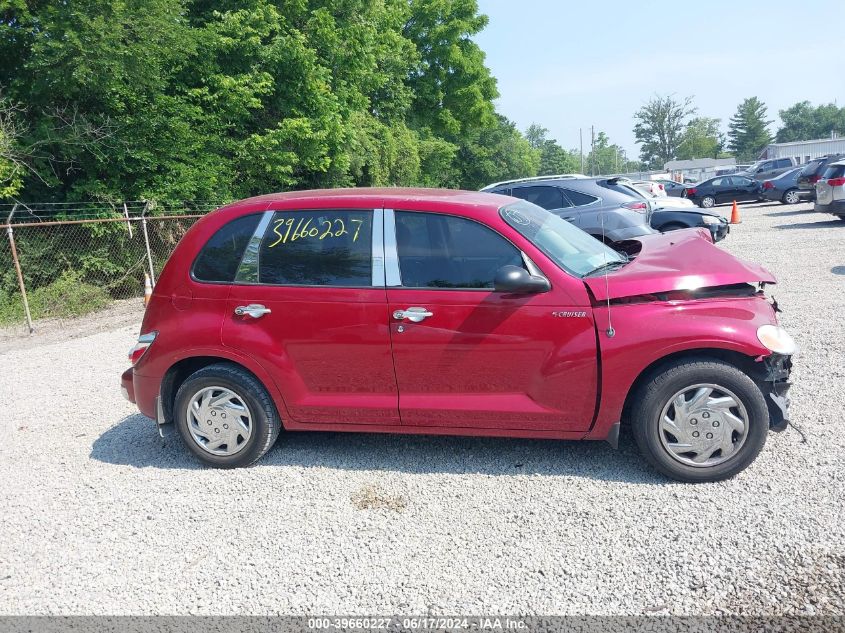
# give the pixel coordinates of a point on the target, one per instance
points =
(101, 516)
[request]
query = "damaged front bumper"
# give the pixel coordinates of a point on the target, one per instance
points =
(776, 390)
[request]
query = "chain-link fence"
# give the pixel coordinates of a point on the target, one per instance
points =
(64, 261)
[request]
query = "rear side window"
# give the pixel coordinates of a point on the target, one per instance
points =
(443, 251)
(811, 167)
(579, 199)
(317, 248)
(546, 197)
(219, 258)
(834, 171)
(784, 162)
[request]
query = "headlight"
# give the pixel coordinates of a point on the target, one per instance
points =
(710, 219)
(776, 339)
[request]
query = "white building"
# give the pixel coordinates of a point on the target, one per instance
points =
(698, 168)
(805, 151)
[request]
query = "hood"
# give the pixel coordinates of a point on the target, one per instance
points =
(678, 260)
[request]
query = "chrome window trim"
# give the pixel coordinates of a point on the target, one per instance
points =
(392, 274)
(248, 268)
(377, 263)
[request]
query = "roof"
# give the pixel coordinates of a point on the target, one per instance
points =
(838, 140)
(698, 163)
(387, 197)
(534, 179)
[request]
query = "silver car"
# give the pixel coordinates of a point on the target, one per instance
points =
(830, 190)
(599, 206)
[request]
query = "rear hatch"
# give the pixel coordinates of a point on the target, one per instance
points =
(829, 187)
(810, 174)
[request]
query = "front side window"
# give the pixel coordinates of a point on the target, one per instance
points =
(317, 248)
(219, 258)
(443, 251)
(570, 248)
(543, 196)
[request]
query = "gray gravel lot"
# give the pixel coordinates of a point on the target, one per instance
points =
(99, 515)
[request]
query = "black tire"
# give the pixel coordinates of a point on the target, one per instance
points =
(654, 395)
(265, 421)
(704, 205)
(791, 196)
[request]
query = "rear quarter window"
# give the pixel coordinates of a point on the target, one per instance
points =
(579, 199)
(834, 171)
(219, 259)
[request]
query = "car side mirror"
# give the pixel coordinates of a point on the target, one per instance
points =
(516, 280)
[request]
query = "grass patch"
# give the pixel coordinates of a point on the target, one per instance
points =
(68, 296)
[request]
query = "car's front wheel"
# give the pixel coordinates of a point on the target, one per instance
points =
(708, 202)
(700, 420)
(225, 416)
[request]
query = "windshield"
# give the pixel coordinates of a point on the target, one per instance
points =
(567, 246)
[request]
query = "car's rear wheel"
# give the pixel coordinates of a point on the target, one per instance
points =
(700, 420)
(708, 202)
(791, 197)
(225, 416)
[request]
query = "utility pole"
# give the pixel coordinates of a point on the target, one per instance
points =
(581, 138)
(593, 150)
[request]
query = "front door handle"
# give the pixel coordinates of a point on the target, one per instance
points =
(254, 310)
(414, 314)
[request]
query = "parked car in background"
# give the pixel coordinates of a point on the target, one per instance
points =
(784, 188)
(671, 214)
(589, 203)
(768, 169)
(651, 186)
(456, 313)
(673, 189)
(812, 172)
(830, 190)
(722, 189)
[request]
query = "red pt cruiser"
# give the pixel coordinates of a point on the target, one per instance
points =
(457, 313)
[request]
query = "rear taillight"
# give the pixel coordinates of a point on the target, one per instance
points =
(768, 185)
(814, 179)
(639, 207)
(691, 191)
(141, 347)
(836, 182)
(661, 187)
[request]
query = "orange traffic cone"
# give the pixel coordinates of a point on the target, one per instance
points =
(148, 289)
(735, 219)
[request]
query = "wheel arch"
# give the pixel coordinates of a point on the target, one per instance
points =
(743, 361)
(179, 371)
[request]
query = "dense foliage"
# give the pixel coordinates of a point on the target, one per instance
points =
(803, 122)
(210, 100)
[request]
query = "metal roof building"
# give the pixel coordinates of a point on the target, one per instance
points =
(804, 151)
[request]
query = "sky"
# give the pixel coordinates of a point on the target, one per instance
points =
(570, 65)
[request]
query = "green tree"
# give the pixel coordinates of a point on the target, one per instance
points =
(553, 158)
(701, 138)
(498, 152)
(605, 157)
(453, 89)
(748, 132)
(803, 122)
(659, 128)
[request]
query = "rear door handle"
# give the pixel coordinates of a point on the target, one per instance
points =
(254, 310)
(415, 314)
